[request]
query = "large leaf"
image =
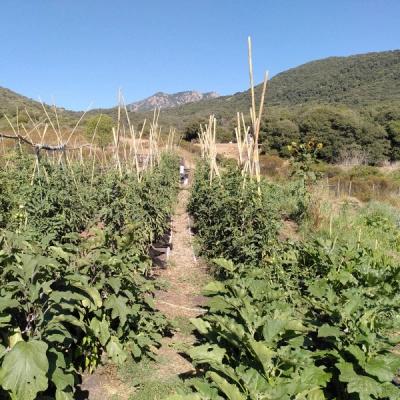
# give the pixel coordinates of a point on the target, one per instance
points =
(363, 385)
(115, 283)
(69, 319)
(61, 395)
(264, 353)
(357, 353)
(231, 391)
(60, 252)
(326, 331)
(25, 367)
(272, 328)
(202, 326)
(217, 303)
(115, 350)
(8, 303)
(95, 295)
(118, 307)
(255, 382)
(207, 353)
(214, 288)
(390, 391)
(62, 380)
(257, 288)
(380, 369)
(100, 329)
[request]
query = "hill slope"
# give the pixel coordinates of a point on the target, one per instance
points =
(363, 79)
(359, 80)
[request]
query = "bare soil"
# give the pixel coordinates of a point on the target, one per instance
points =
(185, 276)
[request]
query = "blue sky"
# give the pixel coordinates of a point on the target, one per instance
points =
(77, 53)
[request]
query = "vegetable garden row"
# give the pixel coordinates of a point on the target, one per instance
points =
(74, 244)
(286, 320)
(289, 320)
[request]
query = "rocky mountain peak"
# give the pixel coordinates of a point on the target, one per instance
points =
(164, 100)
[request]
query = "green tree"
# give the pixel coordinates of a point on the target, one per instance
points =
(279, 135)
(393, 130)
(192, 129)
(340, 129)
(100, 127)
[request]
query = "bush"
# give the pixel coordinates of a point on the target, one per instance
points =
(364, 171)
(274, 166)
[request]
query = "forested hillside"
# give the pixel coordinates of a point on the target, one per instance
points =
(363, 79)
(350, 104)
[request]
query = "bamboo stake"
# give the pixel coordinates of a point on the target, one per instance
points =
(253, 103)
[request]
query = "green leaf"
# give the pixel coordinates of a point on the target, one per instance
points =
(95, 295)
(8, 303)
(357, 353)
(255, 382)
(217, 303)
(272, 328)
(314, 376)
(29, 264)
(100, 329)
(115, 283)
(25, 367)
(311, 394)
(60, 395)
(115, 350)
(150, 302)
(202, 326)
(352, 305)
(390, 391)
(257, 288)
(60, 252)
(380, 369)
(207, 354)
(70, 319)
(296, 325)
(363, 385)
(263, 353)
(214, 288)
(61, 379)
(118, 307)
(228, 265)
(326, 331)
(190, 396)
(231, 391)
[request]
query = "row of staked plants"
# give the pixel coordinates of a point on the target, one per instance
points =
(74, 261)
(289, 320)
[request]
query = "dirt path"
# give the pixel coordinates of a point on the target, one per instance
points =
(185, 277)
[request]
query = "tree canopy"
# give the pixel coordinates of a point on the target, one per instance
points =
(99, 127)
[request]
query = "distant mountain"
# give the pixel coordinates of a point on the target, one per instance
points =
(164, 100)
(370, 79)
(357, 81)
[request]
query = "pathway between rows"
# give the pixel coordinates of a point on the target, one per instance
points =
(184, 278)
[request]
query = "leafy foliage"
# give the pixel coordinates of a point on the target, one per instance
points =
(100, 128)
(310, 320)
(67, 299)
(250, 228)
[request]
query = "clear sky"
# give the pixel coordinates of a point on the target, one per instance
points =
(74, 53)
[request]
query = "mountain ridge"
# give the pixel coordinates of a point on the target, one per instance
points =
(356, 81)
(164, 100)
